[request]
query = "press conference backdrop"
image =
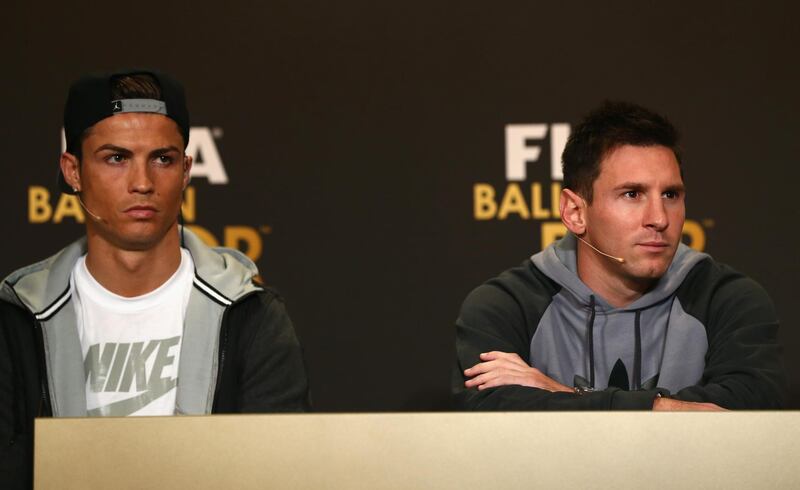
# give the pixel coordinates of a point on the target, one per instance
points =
(378, 160)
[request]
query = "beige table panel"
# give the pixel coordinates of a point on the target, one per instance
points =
(423, 450)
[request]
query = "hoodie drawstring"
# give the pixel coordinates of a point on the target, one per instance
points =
(590, 334)
(637, 353)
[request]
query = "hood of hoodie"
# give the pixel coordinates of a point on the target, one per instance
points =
(583, 341)
(40, 286)
(560, 263)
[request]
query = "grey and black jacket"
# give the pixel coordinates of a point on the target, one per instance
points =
(239, 351)
(703, 333)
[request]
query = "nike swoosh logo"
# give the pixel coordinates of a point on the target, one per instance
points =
(128, 406)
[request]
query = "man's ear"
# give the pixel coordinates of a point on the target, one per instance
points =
(187, 170)
(70, 168)
(573, 212)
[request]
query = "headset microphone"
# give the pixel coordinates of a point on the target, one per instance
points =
(96, 218)
(618, 259)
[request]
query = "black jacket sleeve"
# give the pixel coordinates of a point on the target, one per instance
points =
(20, 398)
(261, 362)
(743, 364)
(499, 316)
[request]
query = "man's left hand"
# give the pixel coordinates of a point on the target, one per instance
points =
(504, 368)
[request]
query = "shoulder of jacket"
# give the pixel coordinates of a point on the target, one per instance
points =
(526, 280)
(523, 289)
(710, 275)
(13, 312)
(264, 297)
(712, 286)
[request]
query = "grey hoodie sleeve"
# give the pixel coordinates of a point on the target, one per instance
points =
(493, 317)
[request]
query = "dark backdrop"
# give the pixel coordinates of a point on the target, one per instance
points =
(353, 135)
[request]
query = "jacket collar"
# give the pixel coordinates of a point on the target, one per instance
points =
(222, 273)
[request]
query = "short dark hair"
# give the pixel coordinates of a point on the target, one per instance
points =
(133, 86)
(603, 130)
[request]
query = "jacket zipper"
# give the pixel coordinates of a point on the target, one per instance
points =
(223, 345)
(44, 403)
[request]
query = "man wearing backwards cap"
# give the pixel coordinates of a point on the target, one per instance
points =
(139, 317)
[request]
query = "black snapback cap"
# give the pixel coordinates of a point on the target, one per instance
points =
(90, 101)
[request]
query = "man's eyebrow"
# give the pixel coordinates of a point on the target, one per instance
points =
(166, 149)
(638, 186)
(114, 148)
(125, 151)
(675, 188)
(633, 186)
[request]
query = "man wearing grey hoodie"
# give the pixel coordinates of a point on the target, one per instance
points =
(619, 314)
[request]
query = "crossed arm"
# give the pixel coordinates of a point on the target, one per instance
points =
(503, 368)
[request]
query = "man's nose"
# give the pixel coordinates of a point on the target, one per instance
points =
(656, 216)
(139, 178)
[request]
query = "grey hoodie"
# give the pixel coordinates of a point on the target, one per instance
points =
(650, 343)
(704, 333)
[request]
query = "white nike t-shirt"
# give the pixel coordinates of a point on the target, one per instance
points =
(131, 346)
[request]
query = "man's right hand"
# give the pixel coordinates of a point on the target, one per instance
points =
(507, 368)
(663, 404)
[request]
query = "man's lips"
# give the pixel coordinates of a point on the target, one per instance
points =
(141, 212)
(654, 246)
